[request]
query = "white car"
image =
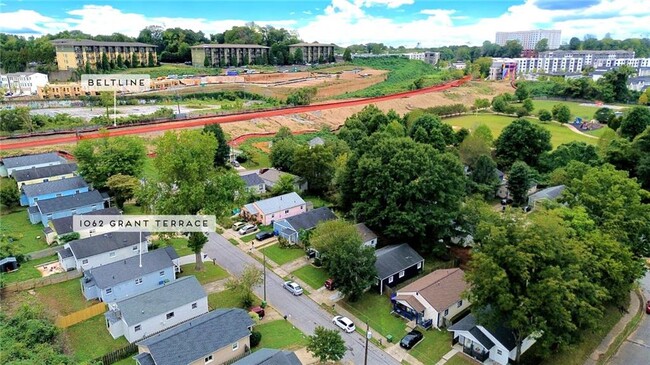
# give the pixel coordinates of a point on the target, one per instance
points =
(292, 287)
(344, 323)
(249, 228)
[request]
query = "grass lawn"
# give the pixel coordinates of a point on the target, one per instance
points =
(27, 270)
(281, 255)
(458, 359)
(16, 225)
(314, 276)
(132, 209)
(130, 361)
(280, 334)
(577, 110)
(150, 172)
(433, 347)
(179, 244)
(250, 237)
(317, 201)
(496, 123)
(211, 272)
(233, 241)
(376, 309)
(90, 339)
(64, 298)
(223, 299)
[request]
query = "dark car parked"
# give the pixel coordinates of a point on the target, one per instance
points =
(411, 339)
(263, 236)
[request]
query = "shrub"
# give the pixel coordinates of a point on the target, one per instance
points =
(544, 115)
(256, 338)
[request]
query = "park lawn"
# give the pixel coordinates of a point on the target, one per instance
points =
(280, 334)
(434, 345)
(577, 110)
(223, 299)
(179, 244)
(210, 273)
(458, 359)
(281, 255)
(27, 270)
(132, 209)
(90, 339)
(16, 224)
(598, 132)
(375, 309)
(64, 297)
(313, 276)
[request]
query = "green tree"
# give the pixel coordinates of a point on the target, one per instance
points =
(483, 132)
(302, 96)
(522, 140)
(9, 194)
(106, 100)
(433, 132)
(100, 159)
(604, 115)
(316, 165)
(195, 243)
(15, 119)
(519, 181)
(522, 93)
(512, 49)
(123, 188)
(282, 154)
(471, 149)
(328, 234)
(105, 64)
(484, 176)
(134, 60)
(286, 184)
(528, 105)
(150, 61)
(641, 146)
(206, 62)
(643, 99)
(222, 151)
(297, 56)
(574, 43)
(481, 104)
(244, 284)
(565, 153)
(542, 45)
(120, 61)
(499, 104)
(544, 115)
(326, 345)
(283, 133)
(561, 113)
(635, 122)
(347, 55)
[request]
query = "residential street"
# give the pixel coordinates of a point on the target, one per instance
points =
(303, 313)
(636, 349)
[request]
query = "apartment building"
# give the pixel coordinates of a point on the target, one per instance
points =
(431, 58)
(224, 55)
(314, 52)
(529, 38)
(22, 83)
(415, 56)
(73, 54)
(63, 91)
(590, 57)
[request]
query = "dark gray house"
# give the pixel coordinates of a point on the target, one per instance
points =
(395, 264)
(254, 183)
(44, 174)
(291, 227)
(270, 357)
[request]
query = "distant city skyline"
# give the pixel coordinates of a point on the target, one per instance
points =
(343, 22)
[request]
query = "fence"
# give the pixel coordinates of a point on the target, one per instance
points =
(37, 283)
(43, 253)
(117, 355)
(80, 316)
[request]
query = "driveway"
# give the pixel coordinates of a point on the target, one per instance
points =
(302, 312)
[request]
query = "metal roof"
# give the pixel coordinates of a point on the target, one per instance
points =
(44, 172)
(106, 242)
(70, 202)
(279, 203)
(395, 258)
(56, 186)
(31, 160)
(109, 275)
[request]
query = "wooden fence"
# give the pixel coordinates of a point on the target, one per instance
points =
(80, 316)
(37, 283)
(117, 355)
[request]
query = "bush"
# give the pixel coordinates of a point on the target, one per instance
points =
(256, 338)
(69, 237)
(521, 112)
(544, 115)
(561, 113)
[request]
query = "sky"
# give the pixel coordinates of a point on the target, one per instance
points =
(427, 23)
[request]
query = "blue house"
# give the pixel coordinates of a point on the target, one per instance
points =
(37, 175)
(52, 189)
(10, 164)
(291, 227)
(65, 206)
(127, 278)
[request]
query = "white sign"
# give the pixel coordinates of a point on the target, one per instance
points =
(116, 82)
(147, 223)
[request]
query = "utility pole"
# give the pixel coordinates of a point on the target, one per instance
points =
(368, 335)
(115, 108)
(264, 278)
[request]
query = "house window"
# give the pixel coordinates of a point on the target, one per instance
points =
(170, 315)
(135, 248)
(401, 274)
(194, 305)
(499, 352)
(84, 261)
(446, 311)
(390, 280)
(460, 303)
(208, 359)
(419, 265)
(58, 195)
(235, 346)
(162, 273)
(138, 281)
(137, 328)
(109, 290)
(112, 254)
(286, 211)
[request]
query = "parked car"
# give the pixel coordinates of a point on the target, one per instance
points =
(234, 163)
(238, 225)
(249, 228)
(647, 307)
(311, 253)
(258, 310)
(506, 201)
(263, 236)
(344, 323)
(329, 284)
(411, 339)
(292, 287)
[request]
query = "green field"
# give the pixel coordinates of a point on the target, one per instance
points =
(375, 309)
(23, 235)
(577, 110)
(559, 134)
(313, 276)
(27, 270)
(280, 334)
(175, 69)
(281, 255)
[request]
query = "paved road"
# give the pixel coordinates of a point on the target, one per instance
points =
(304, 313)
(636, 349)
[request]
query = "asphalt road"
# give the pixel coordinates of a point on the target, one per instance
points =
(303, 313)
(636, 349)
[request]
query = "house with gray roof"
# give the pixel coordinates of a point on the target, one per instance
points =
(63, 226)
(270, 357)
(129, 277)
(550, 193)
(368, 237)
(290, 228)
(316, 141)
(272, 176)
(267, 211)
(216, 337)
(66, 206)
(32, 193)
(395, 264)
(148, 313)
(37, 175)
(254, 183)
(10, 164)
(102, 249)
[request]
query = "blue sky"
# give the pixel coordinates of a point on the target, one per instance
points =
(344, 22)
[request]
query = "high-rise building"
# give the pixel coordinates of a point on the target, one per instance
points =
(73, 54)
(529, 38)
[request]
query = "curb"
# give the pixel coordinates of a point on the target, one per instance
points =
(616, 343)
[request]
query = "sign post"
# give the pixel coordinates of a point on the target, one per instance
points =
(123, 82)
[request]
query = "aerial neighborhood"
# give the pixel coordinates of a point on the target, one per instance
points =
(446, 200)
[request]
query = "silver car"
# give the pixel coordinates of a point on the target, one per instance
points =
(292, 287)
(249, 228)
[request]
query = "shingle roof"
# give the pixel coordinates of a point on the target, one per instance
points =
(106, 242)
(441, 288)
(144, 359)
(395, 258)
(366, 233)
(279, 203)
(309, 220)
(70, 202)
(64, 225)
(44, 172)
(316, 141)
(108, 275)
(469, 324)
(56, 186)
(31, 160)
(89, 42)
(228, 45)
(274, 175)
(310, 44)
(65, 253)
(550, 193)
(411, 301)
(198, 337)
(252, 179)
(270, 357)
(161, 300)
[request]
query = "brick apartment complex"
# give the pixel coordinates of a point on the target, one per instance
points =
(224, 55)
(74, 54)
(314, 52)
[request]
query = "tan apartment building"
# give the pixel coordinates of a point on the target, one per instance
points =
(63, 91)
(73, 54)
(314, 52)
(224, 55)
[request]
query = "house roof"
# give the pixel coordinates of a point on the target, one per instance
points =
(279, 203)
(440, 289)
(316, 141)
(469, 324)
(228, 45)
(108, 275)
(56, 186)
(7, 260)
(550, 193)
(64, 225)
(44, 172)
(89, 42)
(411, 301)
(65, 253)
(197, 337)
(395, 258)
(70, 202)
(161, 300)
(144, 359)
(270, 357)
(252, 179)
(251, 208)
(365, 232)
(309, 220)
(106, 242)
(500, 333)
(31, 160)
(273, 175)
(305, 44)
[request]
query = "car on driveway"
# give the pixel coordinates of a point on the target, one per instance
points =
(249, 228)
(238, 225)
(292, 287)
(411, 339)
(344, 323)
(263, 236)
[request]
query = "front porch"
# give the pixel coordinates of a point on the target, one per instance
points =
(471, 348)
(412, 315)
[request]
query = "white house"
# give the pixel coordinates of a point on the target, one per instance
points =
(434, 300)
(23, 83)
(368, 237)
(153, 311)
(86, 253)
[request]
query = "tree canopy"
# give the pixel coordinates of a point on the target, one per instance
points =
(522, 140)
(102, 158)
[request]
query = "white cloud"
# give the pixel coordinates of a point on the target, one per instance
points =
(391, 4)
(308, 12)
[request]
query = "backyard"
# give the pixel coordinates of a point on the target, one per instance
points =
(281, 255)
(210, 273)
(26, 237)
(178, 243)
(280, 334)
(90, 339)
(313, 276)
(63, 298)
(27, 270)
